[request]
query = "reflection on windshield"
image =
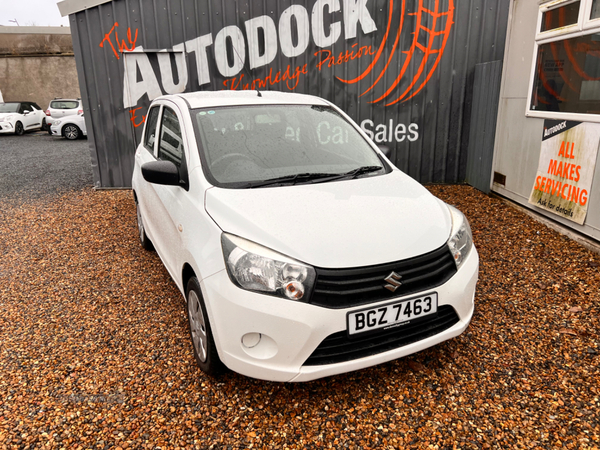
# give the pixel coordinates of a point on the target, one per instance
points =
(254, 144)
(9, 107)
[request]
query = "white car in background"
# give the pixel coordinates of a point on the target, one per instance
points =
(301, 250)
(62, 107)
(19, 117)
(70, 127)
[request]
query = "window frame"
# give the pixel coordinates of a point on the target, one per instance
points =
(583, 27)
(589, 23)
(541, 35)
(186, 152)
(154, 149)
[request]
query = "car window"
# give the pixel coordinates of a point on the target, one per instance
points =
(170, 146)
(64, 104)
(150, 136)
(24, 108)
(9, 107)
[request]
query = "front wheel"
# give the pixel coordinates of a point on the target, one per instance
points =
(19, 130)
(205, 350)
(71, 132)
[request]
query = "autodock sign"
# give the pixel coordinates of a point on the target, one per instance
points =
(566, 168)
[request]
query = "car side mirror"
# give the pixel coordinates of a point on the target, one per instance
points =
(161, 172)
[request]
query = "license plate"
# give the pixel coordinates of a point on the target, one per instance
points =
(392, 314)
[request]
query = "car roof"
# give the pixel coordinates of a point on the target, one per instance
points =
(207, 99)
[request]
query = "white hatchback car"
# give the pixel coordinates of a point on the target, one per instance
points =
(302, 252)
(19, 117)
(70, 127)
(59, 108)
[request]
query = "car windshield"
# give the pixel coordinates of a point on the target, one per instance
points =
(255, 146)
(9, 107)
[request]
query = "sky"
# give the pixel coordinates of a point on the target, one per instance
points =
(40, 13)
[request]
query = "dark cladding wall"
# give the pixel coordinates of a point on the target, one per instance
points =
(403, 69)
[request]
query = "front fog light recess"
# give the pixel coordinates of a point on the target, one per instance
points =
(256, 268)
(461, 240)
(251, 340)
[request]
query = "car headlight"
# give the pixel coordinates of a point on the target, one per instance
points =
(461, 239)
(256, 268)
(56, 122)
(6, 119)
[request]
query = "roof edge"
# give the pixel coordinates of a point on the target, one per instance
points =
(34, 30)
(67, 7)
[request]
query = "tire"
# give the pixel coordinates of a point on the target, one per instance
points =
(71, 132)
(49, 129)
(19, 130)
(144, 239)
(203, 343)
(44, 125)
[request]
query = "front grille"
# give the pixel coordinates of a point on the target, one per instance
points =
(339, 347)
(343, 288)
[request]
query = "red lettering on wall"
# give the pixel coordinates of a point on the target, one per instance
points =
(134, 117)
(121, 45)
(290, 76)
(326, 57)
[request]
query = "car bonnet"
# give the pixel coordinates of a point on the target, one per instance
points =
(348, 223)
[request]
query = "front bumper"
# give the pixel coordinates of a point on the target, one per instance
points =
(6, 127)
(270, 338)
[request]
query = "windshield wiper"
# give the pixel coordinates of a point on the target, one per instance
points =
(293, 179)
(362, 170)
(355, 173)
(315, 177)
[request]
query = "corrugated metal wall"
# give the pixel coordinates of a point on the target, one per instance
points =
(403, 69)
(486, 92)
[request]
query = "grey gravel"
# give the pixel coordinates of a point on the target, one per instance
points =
(37, 165)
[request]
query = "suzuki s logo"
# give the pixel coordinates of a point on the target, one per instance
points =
(394, 281)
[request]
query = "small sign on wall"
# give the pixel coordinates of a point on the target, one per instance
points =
(566, 169)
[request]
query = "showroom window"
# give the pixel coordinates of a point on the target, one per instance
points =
(565, 80)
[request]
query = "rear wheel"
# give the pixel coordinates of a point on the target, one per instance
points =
(71, 132)
(205, 350)
(19, 130)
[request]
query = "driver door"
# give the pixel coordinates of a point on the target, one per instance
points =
(29, 117)
(165, 210)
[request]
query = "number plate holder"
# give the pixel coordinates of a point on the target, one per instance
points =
(391, 315)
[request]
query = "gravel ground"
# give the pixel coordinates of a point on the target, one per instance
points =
(95, 351)
(36, 165)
